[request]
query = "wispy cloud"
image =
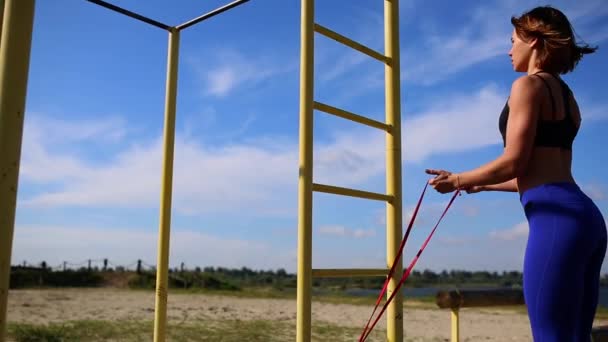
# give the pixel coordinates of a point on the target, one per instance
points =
(433, 56)
(516, 232)
(470, 210)
(351, 158)
(597, 36)
(107, 129)
(227, 70)
(206, 178)
(344, 63)
(454, 124)
(43, 136)
(445, 127)
(483, 36)
(251, 174)
(596, 191)
(342, 231)
(344, 72)
(593, 111)
(256, 174)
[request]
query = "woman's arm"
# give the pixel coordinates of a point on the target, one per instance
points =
(508, 186)
(524, 104)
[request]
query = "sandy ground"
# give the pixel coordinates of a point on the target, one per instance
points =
(420, 324)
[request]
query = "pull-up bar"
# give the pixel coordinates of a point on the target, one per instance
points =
(210, 14)
(131, 14)
(165, 26)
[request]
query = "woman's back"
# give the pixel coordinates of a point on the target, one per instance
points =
(551, 164)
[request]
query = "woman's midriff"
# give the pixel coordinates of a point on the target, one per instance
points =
(546, 165)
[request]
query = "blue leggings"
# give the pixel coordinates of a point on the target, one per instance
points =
(566, 247)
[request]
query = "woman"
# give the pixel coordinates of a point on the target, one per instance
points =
(567, 237)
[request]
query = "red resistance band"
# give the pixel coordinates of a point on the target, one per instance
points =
(367, 330)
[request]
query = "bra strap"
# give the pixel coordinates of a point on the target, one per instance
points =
(550, 93)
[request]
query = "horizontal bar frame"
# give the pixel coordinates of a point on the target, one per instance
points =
(336, 190)
(131, 14)
(349, 272)
(165, 26)
(210, 14)
(351, 116)
(351, 43)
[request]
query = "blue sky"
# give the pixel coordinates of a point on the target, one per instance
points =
(90, 172)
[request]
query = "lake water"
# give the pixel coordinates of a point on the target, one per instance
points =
(431, 291)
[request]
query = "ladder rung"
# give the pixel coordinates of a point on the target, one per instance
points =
(349, 42)
(349, 272)
(350, 116)
(351, 192)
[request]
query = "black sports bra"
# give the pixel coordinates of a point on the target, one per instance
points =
(549, 133)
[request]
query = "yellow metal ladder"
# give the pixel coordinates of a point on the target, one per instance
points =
(393, 200)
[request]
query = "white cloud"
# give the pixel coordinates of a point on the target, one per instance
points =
(350, 158)
(599, 35)
(343, 64)
(456, 123)
(257, 174)
(585, 13)
(363, 24)
(517, 232)
(593, 112)
(470, 210)
(205, 179)
(596, 191)
(107, 129)
(222, 80)
(459, 123)
(228, 70)
(484, 36)
(43, 135)
(342, 231)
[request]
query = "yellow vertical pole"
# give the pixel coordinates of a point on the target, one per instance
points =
(162, 264)
(393, 164)
(1, 15)
(303, 325)
(15, 46)
(455, 325)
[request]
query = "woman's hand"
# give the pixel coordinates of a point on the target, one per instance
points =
(444, 181)
(438, 173)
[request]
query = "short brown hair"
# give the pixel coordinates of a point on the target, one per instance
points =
(558, 51)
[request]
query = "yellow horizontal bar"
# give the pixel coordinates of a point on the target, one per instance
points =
(346, 41)
(350, 192)
(349, 272)
(350, 116)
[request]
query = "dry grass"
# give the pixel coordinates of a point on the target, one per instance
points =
(126, 315)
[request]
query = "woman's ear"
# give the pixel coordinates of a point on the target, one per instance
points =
(533, 42)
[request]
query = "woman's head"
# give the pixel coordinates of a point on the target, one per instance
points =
(545, 35)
